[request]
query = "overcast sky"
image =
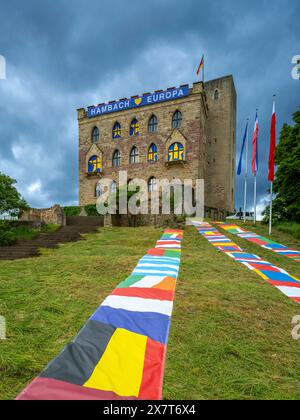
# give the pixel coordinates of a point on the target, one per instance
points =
(62, 55)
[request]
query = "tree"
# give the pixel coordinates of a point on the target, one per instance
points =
(287, 180)
(11, 201)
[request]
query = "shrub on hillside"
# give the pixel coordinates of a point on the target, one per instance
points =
(72, 211)
(91, 210)
(10, 232)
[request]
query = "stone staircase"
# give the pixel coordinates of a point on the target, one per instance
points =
(69, 233)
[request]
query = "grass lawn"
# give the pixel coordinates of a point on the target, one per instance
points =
(230, 334)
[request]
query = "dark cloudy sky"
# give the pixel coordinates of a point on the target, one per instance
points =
(63, 54)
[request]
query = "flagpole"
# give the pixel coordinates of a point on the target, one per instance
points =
(246, 173)
(255, 185)
(271, 210)
(255, 164)
(203, 69)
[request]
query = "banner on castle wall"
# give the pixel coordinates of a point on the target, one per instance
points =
(136, 102)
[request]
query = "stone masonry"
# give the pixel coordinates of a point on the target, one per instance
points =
(207, 134)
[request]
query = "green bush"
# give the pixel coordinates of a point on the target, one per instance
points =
(7, 238)
(49, 228)
(10, 232)
(91, 210)
(72, 211)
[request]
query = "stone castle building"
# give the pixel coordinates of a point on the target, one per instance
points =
(185, 133)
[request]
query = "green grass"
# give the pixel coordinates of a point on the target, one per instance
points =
(230, 335)
(291, 228)
(231, 330)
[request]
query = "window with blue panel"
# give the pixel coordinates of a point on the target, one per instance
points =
(94, 164)
(117, 131)
(134, 127)
(176, 152)
(152, 153)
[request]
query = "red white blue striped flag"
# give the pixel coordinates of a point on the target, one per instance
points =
(255, 146)
(272, 145)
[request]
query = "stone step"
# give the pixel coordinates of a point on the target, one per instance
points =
(69, 233)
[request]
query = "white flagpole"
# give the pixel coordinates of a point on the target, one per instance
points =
(271, 210)
(246, 173)
(271, 192)
(255, 198)
(255, 177)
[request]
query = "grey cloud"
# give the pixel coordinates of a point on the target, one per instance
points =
(64, 55)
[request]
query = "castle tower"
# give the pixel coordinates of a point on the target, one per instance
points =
(182, 133)
(220, 143)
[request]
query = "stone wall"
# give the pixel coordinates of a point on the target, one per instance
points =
(54, 215)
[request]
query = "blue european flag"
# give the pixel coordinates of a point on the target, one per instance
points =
(239, 170)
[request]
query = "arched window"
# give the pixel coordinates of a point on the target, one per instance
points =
(152, 184)
(177, 119)
(99, 189)
(216, 95)
(134, 155)
(116, 133)
(152, 153)
(134, 127)
(113, 187)
(95, 135)
(116, 160)
(176, 152)
(94, 165)
(152, 124)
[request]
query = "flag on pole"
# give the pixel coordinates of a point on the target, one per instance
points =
(272, 146)
(201, 65)
(239, 170)
(255, 146)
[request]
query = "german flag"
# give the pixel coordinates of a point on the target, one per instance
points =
(201, 65)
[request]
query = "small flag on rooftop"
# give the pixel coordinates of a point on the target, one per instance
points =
(201, 66)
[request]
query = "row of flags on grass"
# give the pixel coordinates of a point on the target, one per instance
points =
(255, 148)
(120, 352)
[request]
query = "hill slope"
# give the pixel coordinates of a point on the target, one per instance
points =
(230, 334)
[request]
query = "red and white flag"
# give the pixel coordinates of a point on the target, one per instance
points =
(255, 146)
(272, 146)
